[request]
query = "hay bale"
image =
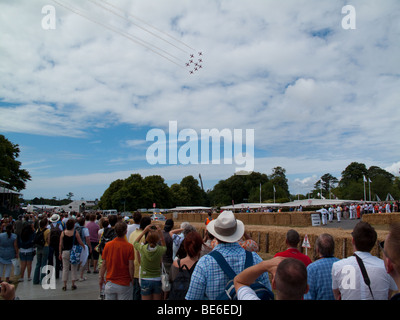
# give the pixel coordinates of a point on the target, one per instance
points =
(283, 219)
(271, 239)
(242, 217)
(301, 219)
(268, 219)
(381, 218)
(254, 218)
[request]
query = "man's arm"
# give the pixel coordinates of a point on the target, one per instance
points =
(103, 271)
(336, 294)
(250, 275)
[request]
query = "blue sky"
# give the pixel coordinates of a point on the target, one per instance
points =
(80, 99)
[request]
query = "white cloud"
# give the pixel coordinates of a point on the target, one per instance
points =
(312, 91)
(394, 168)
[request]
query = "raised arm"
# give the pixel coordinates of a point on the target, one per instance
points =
(250, 275)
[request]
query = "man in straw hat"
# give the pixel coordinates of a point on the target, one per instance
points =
(208, 279)
(56, 228)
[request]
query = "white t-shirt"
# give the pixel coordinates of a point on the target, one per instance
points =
(131, 228)
(246, 293)
(347, 277)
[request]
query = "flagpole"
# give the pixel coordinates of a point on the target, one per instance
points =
(274, 193)
(365, 197)
(260, 193)
(321, 188)
(369, 188)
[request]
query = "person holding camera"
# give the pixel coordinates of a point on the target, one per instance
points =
(150, 258)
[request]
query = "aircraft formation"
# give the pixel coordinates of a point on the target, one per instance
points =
(152, 38)
(196, 65)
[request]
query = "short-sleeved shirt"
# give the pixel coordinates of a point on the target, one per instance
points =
(46, 236)
(296, 254)
(93, 231)
(209, 280)
(7, 251)
(347, 277)
(319, 278)
(117, 253)
(246, 293)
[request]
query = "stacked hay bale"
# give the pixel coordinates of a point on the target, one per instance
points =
(381, 218)
(272, 239)
(269, 230)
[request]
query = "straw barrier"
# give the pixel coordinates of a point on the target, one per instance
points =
(299, 219)
(381, 218)
(269, 230)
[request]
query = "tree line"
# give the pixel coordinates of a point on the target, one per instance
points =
(137, 192)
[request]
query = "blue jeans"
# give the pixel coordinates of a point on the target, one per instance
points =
(42, 254)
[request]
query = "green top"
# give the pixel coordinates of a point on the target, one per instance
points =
(150, 260)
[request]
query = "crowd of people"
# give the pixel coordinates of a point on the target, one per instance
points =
(137, 259)
(355, 210)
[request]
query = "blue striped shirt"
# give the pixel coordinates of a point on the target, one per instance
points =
(208, 280)
(319, 278)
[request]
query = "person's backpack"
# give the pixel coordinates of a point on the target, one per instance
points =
(180, 285)
(108, 235)
(55, 234)
(229, 292)
(39, 238)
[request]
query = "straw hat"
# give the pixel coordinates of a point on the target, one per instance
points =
(226, 227)
(54, 218)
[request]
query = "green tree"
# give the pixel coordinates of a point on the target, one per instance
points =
(351, 186)
(10, 167)
(197, 197)
(156, 191)
(180, 195)
(326, 183)
(70, 195)
(382, 183)
(279, 180)
(237, 188)
(136, 192)
(106, 201)
(353, 172)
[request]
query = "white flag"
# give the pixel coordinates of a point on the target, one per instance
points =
(365, 180)
(369, 180)
(274, 189)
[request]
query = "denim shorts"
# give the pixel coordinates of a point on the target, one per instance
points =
(149, 287)
(26, 256)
